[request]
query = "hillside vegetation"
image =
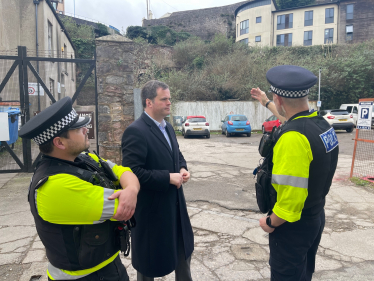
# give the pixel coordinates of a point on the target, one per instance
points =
(222, 70)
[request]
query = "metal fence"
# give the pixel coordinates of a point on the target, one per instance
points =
(363, 154)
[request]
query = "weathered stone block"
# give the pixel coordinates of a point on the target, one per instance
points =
(103, 68)
(103, 137)
(128, 110)
(130, 79)
(128, 98)
(115, 80)
(104, 99)
(104, 109)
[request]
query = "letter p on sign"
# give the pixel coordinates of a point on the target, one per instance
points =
(365, 113)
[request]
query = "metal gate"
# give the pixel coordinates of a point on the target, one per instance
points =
(21, 155)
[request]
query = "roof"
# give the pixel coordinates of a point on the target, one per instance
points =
(60, 22)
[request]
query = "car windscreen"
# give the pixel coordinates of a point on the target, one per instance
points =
(238, 118)
(192, 120)
(339, 112)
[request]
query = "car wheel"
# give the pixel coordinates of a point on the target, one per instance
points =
(227, 134)
(208, 136)
(222, 132)
(263, 130)
(182, 132)
(349, 130)
(249, 134)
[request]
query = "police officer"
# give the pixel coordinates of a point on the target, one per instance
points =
(74, 199)
(305, 156)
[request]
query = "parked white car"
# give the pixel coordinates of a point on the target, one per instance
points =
(339, 119)
(195, 126)
(353, 109)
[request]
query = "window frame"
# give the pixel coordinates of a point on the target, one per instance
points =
(349, 17)
(285, 21)
(256, 38)
(328, 18)
(287, 36)
(244, 27)
(348, 34)
(327, 39)
(310, 20)
(50, 39)
(309, 41)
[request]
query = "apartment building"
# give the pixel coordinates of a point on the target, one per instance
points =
(260, 22)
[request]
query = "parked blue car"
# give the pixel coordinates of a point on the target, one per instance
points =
(236, 124)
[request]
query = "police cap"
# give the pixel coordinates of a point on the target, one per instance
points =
(52, 121)
(290, 81)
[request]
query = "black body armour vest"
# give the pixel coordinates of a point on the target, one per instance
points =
(323, 166)
(74, 247)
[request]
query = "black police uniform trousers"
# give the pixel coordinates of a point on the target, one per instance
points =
(115, 271)
(293, 249)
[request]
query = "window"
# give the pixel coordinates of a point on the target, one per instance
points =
(349, 32)
(308, 18)
(329, 16)
(258, 39)
(350, 12)
(329, 35)
(285, 21)
(65, 57)
(308, 35)
(50, 45)
(245, 41)
(238, 118)
(52, 86)
(258, 20)
(54, 4)
(72, 69)
(244, 27)
(284, 39)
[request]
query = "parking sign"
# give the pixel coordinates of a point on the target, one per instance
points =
(365, 110)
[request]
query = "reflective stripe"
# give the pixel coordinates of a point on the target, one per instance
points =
(108, 206)
(56, 274)
(289, 180)
(110, 163)
(59, 274)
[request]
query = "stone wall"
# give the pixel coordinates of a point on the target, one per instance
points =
(204, 23)
(115, 65)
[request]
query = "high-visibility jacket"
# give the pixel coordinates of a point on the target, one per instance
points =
(304, 162)
(73, 214)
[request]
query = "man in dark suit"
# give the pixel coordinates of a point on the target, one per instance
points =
(162, 240)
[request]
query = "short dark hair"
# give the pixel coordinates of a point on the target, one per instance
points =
(47, 147)
(149, 90)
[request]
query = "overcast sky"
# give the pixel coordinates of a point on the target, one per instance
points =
(122, 13)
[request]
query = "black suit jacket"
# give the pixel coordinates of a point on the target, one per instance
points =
(161, 211)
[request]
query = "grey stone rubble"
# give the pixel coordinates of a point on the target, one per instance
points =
(229, 244)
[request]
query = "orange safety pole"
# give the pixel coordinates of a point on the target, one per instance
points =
(354, 153)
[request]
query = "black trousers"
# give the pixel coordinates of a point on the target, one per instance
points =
(183, 270)
(293, 249)
(115, 271)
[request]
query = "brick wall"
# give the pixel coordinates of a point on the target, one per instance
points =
(363, 20)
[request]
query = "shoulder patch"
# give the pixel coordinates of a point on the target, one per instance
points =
(329, 139)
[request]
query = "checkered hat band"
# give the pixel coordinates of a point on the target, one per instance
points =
(56, 128)
(289, 94)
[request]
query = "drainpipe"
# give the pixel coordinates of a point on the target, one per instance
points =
(36, 2)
